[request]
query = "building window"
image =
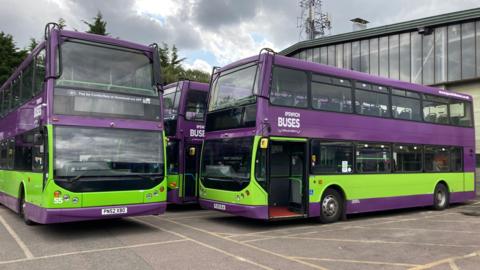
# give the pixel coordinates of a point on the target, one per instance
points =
(394, 57)
(374, 56)
(427, 61)
(468, 50)
(405, 57)
(407, 158)
(364, 56)
(331, 157)
(372, 158)
(347, 56)
(454, 52)
(331, 55)
(331, 94)
(339, 55)
(478, 47)
(383, 62)
(356, 55)
(371, 100)
(316, 55)
(406, 105)
(289, 88)
(324, 55)
(440, 54)
(435, 109)
(436, 159)
(416, 60)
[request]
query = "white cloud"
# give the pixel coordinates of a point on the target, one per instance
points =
(199, 64)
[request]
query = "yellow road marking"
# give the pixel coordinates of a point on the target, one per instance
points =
(93, 251)
(15, 236)
(442, 261)
(205, 245)
(356, 261)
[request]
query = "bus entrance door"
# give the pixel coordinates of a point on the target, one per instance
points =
(192, 156)
(287, 179)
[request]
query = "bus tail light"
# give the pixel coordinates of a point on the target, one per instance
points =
(57, 194)
(173, 184)
(162, 189)
(247, 192)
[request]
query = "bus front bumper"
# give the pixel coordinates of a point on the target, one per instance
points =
(250, 211)
(46, 215)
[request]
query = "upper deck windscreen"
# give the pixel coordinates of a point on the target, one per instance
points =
(234, 87)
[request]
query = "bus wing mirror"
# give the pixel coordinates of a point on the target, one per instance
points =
(157, 77)
(37, 139)
(192, 151)
(264, 143)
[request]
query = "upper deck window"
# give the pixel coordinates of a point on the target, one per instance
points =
(196, 105)
(234, 87)
(372, 100)
(435, 109)
(171, 101)
(95, 66)
(406, 105)
(331, 94)
(289, 88)
(461, 113)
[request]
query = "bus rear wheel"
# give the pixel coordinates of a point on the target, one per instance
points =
(21, 210)
(331, 206)
(440, 197)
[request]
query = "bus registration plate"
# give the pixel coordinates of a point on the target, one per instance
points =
(114, 211)
(219, 206)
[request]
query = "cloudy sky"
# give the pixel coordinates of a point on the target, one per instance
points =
(209, 32)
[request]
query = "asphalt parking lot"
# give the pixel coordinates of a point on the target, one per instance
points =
(190, 238)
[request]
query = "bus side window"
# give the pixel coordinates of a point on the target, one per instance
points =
(38, 152)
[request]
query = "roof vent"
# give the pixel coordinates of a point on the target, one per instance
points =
(359, 24)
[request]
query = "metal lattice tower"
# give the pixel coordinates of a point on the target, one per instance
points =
(313, 22)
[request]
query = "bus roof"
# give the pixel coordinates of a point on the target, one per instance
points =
(192, 84)
(350, 74)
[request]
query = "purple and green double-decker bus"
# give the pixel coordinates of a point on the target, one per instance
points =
(81, 131)
(287, 138)
(185, 104)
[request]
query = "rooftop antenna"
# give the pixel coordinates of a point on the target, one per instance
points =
(312, 21)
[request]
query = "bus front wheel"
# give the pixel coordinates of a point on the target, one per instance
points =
(440, 197)
(21, 210)
(331, 206)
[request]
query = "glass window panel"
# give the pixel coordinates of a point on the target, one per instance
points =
(436, 159)
(347, 56)
(339, 55)
(374, 56)
(478, 47)
(16, 92)
(372, 158)
(394, 57)
(428, 59)
(39, 72)
(416, 60)
(27, 83)
(303, 55)
(289, 88)
(456, 159)
(331, 55)
(196, 105)
(310, 55)
(453, 52)
(316, 55)
(461, 113)
(331, 157)
(435, 112)
(324, 55)
(406, 108)
(468, 50)
(356, 55)
(405, 57)
(330, 97)
(407, 158)
(372, 103)
(440, 54)
(383, 63)
(364, 56)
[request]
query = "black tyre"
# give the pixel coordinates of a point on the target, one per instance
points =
(441, 197)
(21, 210)
(331, 206)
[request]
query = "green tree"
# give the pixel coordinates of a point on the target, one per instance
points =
(32, 45)
(10, 56)
(62, 23)
(172, 70)
(98, 26)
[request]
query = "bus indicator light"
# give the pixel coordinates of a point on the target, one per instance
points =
(264, 143)
(57, 194)
(162, 189)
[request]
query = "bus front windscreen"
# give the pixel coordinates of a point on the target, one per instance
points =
(100, 152)
(234, 87)
(226, 163)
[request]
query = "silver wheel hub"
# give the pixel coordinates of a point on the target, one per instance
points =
(329, 206)
(441, 198)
